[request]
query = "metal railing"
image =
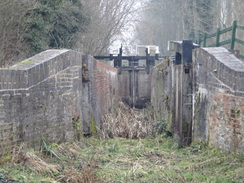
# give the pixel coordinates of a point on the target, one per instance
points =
(202, 41)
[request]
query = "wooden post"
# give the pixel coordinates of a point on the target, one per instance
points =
(217, 37)
(199, 41)
(205, 40)
(233, 36)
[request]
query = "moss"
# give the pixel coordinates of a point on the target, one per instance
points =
(7, 158)
(185, 127)
(235, 111)
(93, 126)
(168, 97)
(27, 62)
(169, 123)
(76, 125)
(214, 107)
(77, 129)
(54, 145)
(199, 96)
(13, 68)
(162, 66)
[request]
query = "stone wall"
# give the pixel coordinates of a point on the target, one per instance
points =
(44, 96)
(101, 91)
(47, 96)
(207, 102)
(38, 99)
(219, 99)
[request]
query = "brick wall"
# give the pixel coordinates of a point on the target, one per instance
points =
(101, 90)
(106, 80)
(42, 96)
(219, 99)
(38, 99)
(206, 103)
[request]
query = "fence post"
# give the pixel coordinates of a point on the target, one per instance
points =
(217, 37)
(233, 36)
(204, 39)
(199, 41)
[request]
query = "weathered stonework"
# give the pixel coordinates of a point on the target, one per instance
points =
(44, 96)
(211, 96)
(219, 99)
(38, 99)
(101, 91)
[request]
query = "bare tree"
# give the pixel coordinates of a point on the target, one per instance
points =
(228, 11)
(11, 29)
(108, 19)
(30, 26)
(162, 21)
(175, 20)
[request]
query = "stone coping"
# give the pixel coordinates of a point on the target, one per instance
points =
(38, 68)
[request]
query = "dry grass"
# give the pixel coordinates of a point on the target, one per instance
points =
(86, 175)
(31, 160)
(125, 160)
(68, 164)
(126, 122)
(70, 151)
(130, 159)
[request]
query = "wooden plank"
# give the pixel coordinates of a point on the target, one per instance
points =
(226, 30)
(225, 42)
(211, 35)
(240, 27)
(212, 45)
(239, 41)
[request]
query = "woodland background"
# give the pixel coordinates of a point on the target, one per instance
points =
(28, 27)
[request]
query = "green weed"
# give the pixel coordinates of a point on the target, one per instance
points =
(130, 160)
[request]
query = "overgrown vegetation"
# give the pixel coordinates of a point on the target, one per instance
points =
(123, 121)
(124, 160)
(54, 24)
(146, 153)
(29, 27)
